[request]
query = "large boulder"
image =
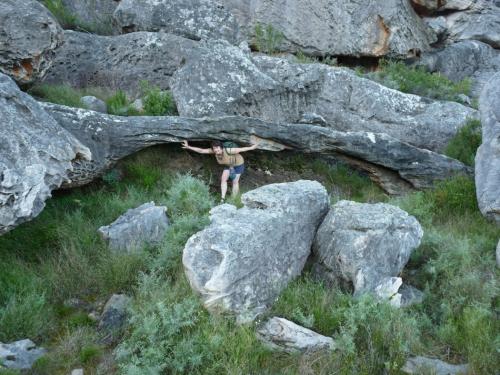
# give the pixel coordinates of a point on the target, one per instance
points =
(29, 35)
(487, 162)
(246, 257)
(364, 245)
(465, 59)
(221, 79)
(193, 19)
(19, 355)
(118, 62)
(284, 335)
(144, 225)
(36, 155)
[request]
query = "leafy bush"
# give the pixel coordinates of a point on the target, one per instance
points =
(464, 144)
(416, 80)
(156, 102)
(188, 196)
(267, 38)
(119, 105)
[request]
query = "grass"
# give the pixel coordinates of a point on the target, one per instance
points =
(464, 144)
(267, 38)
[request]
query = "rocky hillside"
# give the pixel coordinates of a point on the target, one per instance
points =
(364, 241)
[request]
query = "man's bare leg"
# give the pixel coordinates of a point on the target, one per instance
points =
(223, 183)
(236, 186)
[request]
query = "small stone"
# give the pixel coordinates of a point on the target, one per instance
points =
(420, 365)
(78, 371)
(94, 104)
(410, 295)
(115, 313)
(138, 105)
(388, 290)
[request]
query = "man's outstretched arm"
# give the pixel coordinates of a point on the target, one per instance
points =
(237, 150)
(197, 149)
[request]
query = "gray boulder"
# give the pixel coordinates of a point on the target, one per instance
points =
(361, 245)
(118, 62)
(36, 155)
(387, 290)
(29, 36)
(284, 335)
(94, 104)
(487, 162)
(94, 15)
(192, 19)
(243, 260)
(144, 225)
(410, 295)
(464, 59)
(20, 355)
(221, 79)
(114, 317)
(424, 365)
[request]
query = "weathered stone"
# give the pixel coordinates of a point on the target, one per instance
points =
(419, 365)
(77, 371)
(487, 163)
(387, 290)
(465, 59)
(144, 225)
(440, 5)
(284, 335)
(410, 295)
(94, 104)
(192, 19)
(498, 254)
(35, 155)
(29, 35)
(223, 80)
(362, 244)
(118, 62)
(138, 105)
(94, 15)
(246, 257)
(114, 317)
(20, 355)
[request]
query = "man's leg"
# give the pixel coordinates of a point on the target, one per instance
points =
(223, 183)
(236, 185)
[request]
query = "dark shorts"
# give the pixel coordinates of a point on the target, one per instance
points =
(234, 171)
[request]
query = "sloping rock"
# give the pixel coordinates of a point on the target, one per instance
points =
(192, 19)
(464, 59)
(96, 15)
(36, 155)
(284, 335)
(144, 225)
(118, 62)
(419, 365)
(246, 257)
(487, 162)
(362, 244)
(112, 137)
(224, 80)
(29, 35)
(19, 355)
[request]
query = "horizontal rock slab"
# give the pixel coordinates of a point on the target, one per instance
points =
(284, 335)
(20, 355)
(136, 228)
(365, 246)
(419, 365)
(221, 79)
(36, 155)
(29, 37)
(242, 261)
(487, 162)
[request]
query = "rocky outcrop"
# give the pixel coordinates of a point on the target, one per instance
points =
(192, 19)
(487, 162)
(420, 365)
(465, 59)
(19, 355)
(284, 335)
(246, 257)
(29, 36)
(362, 245)
(136, 228)
(36, 155)
(118, 62)
(224, 80)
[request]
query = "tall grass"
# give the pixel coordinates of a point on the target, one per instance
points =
(464, 144)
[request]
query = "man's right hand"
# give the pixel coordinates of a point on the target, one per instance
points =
(185, 144)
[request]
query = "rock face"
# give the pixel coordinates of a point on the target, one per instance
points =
(35, 155)
(284, 335)
(19, 355)
(118, 62)
(192, 19)
(419, 365)
(223, 80)
(487, 162)
(29, 35)
(144, 225)
(364, 244)
(246, 257)
(96, 15)
(469, 58)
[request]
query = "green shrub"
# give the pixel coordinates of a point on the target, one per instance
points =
(416, 80)
(464, 144)
(267, 38)
(455, 196)
(156, 102)
(188, 196)
(63, 15)
(119, 105)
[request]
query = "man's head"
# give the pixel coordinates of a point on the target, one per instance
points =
(217, 147)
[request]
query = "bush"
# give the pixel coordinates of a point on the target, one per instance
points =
(63, 15)
(188, 196)
(267, 38)
(119, 105)
(464, 144)
(156, 102)
(416, 80)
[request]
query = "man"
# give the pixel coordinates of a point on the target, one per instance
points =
(233, 162)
